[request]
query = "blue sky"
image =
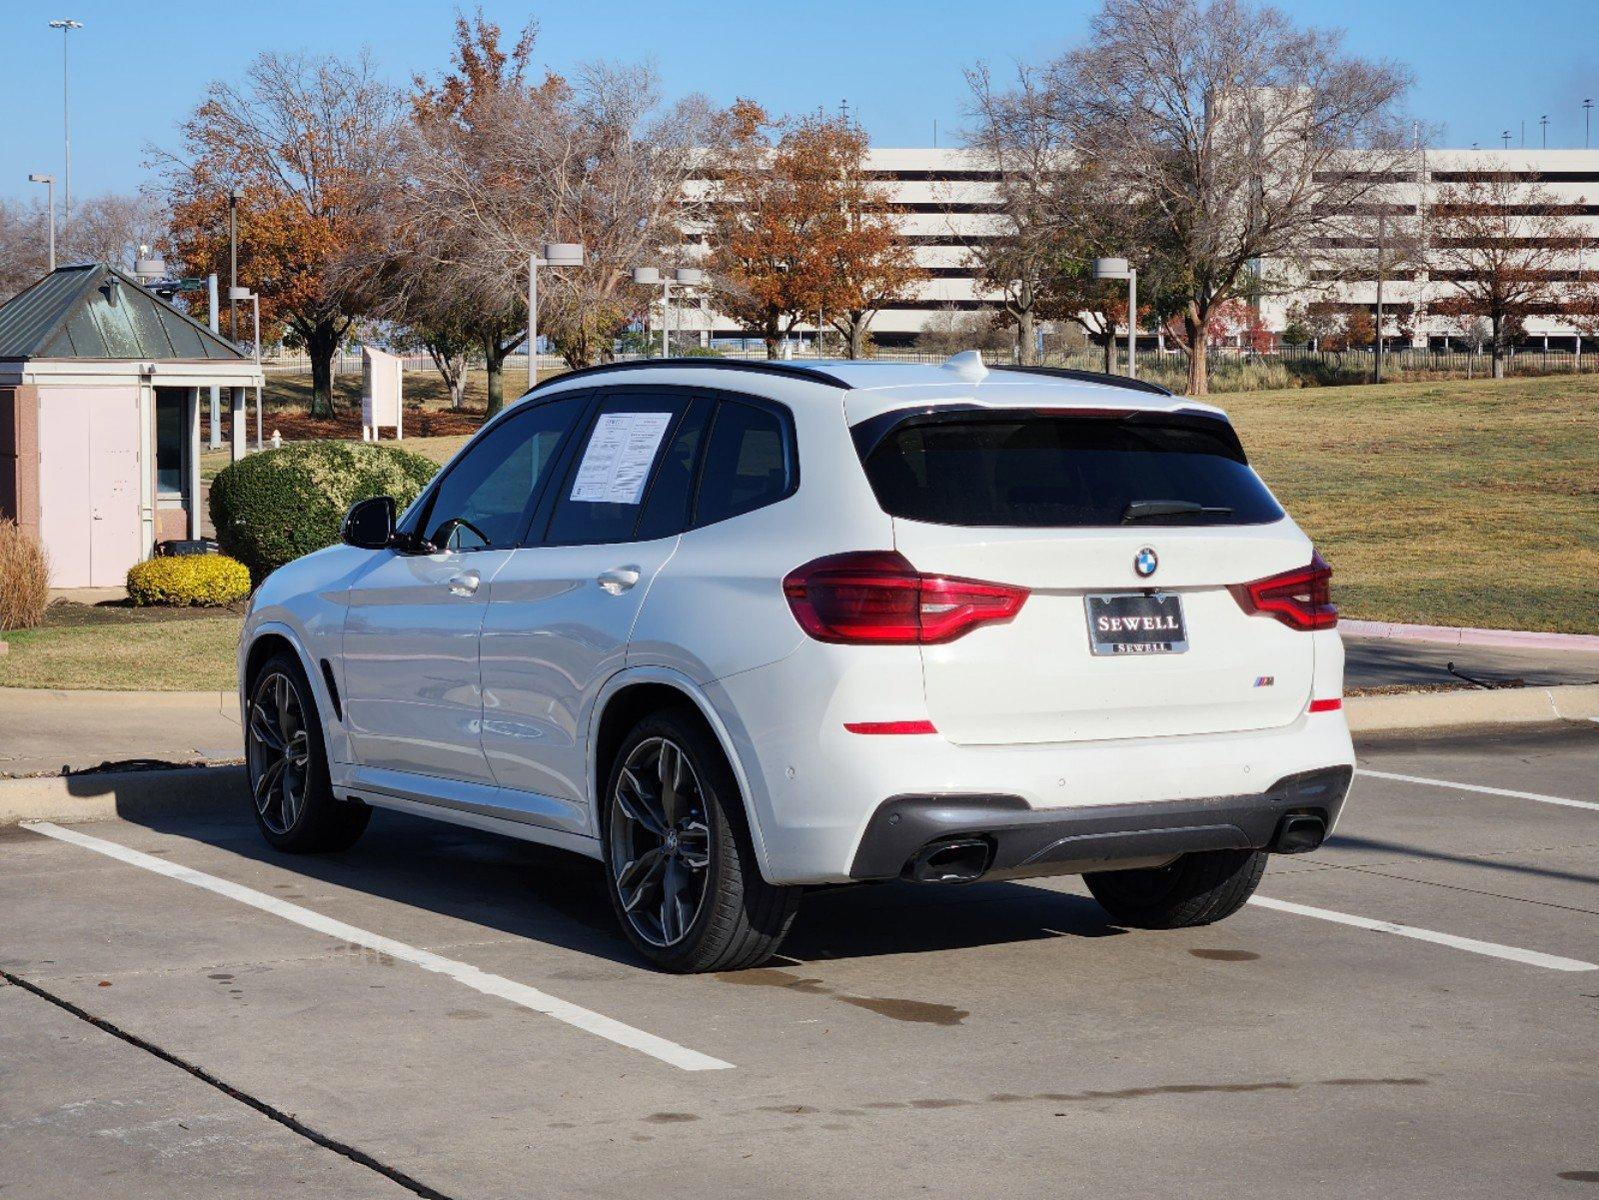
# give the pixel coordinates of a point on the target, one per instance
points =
(1480, 65)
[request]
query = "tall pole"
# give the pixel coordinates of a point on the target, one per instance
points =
(233, 264)
(666, 316)
(49, 182)
(1544, 122)
(1587, 116)
(216, 392)
(1132, 323)
(1381, 267)
(532, 321)
(66, 26)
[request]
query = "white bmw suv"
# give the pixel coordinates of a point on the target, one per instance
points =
(738, 628)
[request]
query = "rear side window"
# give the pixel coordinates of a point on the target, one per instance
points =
(601, 498)
(1053, 470)
(747, 463)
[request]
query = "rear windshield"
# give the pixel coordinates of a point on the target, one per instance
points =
(1048, 469)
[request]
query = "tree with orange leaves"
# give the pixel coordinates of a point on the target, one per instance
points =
(310, 142)
(797, 229)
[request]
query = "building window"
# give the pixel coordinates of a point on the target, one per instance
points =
(169, 406)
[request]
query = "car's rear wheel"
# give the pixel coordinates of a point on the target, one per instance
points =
(287, 761)
(679, 861)
(1197, 889)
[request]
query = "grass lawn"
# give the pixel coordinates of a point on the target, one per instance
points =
(1450, 503)
(119, 648)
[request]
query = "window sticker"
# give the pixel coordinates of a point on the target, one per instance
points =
(616, 464)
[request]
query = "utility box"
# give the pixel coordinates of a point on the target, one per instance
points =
(382, 393)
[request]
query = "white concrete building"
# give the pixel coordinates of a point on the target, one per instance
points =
(949, 202)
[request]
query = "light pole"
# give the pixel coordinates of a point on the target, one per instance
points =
(683, 277)
(1544, 122)
(556, 254)
(50, 182)
(66, 27)
(1587, 115)
(1506, 136)
(234, 195)
(1120, 268)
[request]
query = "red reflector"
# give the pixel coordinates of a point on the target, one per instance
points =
(1326, 705)
(876, 597)
(890, 727)
(1300, 599)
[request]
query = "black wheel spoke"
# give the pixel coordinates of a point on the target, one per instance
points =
(638, 804)
(279, 753)
(635, 880)
(262, 728)
(266, 785)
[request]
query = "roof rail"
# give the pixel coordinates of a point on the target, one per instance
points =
(763, 367)
(1099, 377)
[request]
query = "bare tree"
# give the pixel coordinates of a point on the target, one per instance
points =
(111, 228)
(1238, 133)
(24, 246)
(497, 165)
(1504, 250)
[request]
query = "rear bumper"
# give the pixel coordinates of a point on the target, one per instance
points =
(1021, 840)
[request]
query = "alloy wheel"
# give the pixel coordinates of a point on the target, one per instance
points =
(660, 842)
(279, 752)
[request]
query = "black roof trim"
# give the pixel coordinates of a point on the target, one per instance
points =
(769, 367)
(1121, 381)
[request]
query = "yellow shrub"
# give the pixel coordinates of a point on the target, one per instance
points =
(206, 579)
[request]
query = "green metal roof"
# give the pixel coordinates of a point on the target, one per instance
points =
(95, 311)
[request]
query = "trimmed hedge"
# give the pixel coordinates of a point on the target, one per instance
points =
(277, 505)
(204, 579)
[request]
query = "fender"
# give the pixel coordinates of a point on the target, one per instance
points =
(728, 737)
(333, 734)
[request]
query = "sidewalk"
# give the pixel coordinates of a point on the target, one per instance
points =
(43, 731)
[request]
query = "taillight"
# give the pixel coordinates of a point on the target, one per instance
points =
(877, 597)
(1300, 599)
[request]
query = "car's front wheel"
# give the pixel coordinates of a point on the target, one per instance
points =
(679, 860)
(294, 805)
(1197, 889)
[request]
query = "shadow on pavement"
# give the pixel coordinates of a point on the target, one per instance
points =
(559, 898)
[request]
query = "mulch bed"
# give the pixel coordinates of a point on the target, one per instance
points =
(69, 614)
(296, 425)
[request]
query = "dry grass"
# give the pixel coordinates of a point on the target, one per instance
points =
(24, 578)
(1448, 503)
(125, 649)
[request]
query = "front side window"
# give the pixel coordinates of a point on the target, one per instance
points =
(747, 463)
(482, 502)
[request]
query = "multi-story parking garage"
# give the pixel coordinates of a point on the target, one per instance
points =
(948, 201)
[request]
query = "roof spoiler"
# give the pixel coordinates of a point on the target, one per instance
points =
(1099, 377)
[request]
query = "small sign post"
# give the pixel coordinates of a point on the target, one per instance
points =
(382, 393)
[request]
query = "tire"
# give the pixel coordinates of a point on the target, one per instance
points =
(286, 762)
(1197, 889)
(680, 867)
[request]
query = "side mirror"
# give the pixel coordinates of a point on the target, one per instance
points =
(369, 525)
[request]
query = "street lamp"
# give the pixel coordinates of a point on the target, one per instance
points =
(66, 27)
(683, 277)
(1544, 121)
(1506, 136)
(1120, 268)
(556, 254)
(1587, 115)
(50, 182)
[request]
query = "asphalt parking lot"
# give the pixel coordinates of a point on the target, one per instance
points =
(445, 1013)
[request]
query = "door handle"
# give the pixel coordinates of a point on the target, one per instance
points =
(464, 584)
(618, 579)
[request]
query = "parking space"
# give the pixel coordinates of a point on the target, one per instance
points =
(441, 1012)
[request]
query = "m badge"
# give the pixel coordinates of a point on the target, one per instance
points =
(1145, 562)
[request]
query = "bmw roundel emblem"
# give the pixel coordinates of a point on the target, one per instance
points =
(1145, 562)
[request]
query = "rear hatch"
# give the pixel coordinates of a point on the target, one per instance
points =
(1130, 532)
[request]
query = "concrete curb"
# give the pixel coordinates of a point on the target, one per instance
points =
(1499, 706)
(99, 796)
(1508, 639)
(223, 702)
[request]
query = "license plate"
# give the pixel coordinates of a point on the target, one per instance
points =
(1136, 623)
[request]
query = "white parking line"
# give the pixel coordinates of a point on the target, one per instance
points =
(1473, 787)
(1533, 958)
(465, 973)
